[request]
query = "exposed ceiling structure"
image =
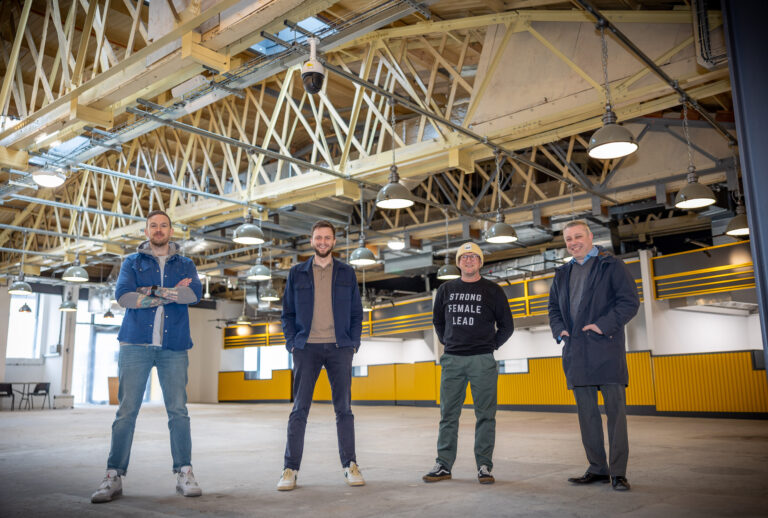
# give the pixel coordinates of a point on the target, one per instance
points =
(198, 108)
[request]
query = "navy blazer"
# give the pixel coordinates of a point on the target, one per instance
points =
(299, 303)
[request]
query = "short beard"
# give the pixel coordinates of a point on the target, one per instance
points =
(323, 256)
(159, 243)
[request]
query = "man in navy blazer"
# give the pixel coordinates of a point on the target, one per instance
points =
(322, 322)
(591, 299)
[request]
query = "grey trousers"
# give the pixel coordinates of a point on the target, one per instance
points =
(591, 425)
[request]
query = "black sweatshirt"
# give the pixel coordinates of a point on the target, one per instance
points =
(472, 317)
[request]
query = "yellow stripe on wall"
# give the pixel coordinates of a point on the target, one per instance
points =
(715, 382)
(415, 382)
(234, 387)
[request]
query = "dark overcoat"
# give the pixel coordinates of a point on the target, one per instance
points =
(610, 300)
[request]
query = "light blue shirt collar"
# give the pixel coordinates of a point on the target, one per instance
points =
(591, 253)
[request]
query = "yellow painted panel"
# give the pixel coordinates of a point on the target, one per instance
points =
(322, 388)
(379, 385)
(234, 387)
(640, 390)
(415, 382)
(543, 384)
(720, 382)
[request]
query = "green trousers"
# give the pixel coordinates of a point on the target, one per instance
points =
(482, 374)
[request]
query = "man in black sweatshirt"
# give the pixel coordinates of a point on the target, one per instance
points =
(472, 319)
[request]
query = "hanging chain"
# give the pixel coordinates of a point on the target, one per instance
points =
(687, 135)
(498, 177)
(446, 232)
(573, 212)
(392, 122)
(604, 56)
(362, 216)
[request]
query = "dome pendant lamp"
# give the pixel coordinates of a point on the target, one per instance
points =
(611, 141)
(361, 256)
(694, 195)
(19, 286)
(248, 233)
(394, 195)
(447, 271)
(500, 232)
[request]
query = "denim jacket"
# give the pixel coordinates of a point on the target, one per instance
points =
(299, 303)
(142, 269)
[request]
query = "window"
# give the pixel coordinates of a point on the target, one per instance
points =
(24, 327)
(517, 366)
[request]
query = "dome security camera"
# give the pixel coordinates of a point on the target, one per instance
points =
(313, 72)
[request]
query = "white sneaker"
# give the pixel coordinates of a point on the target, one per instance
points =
(287, 480)
(110, 487)
(186, 483)
(353, 476)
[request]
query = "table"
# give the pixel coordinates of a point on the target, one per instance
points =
(26, 390)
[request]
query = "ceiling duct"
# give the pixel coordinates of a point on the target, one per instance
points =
(739, 302)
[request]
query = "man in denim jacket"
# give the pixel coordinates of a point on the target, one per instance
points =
(155, 287)
(322, 321)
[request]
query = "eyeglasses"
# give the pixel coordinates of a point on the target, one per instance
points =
(470, 256)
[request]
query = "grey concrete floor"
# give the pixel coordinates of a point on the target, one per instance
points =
(51, 461)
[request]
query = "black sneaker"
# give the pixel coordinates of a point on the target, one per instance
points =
(484, 475)
(438, 473)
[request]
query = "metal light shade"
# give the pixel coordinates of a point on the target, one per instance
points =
(248, 234)
(48, 177)
(448, 272)
(19, 287)
(361, 256)
(367, 306)
(270, 295)
(109, 314)
(396, 243)
(611, 141)
(243, 320)
(501, 232)
(738, 226)
(25, 308)
(259, 272)
(75, 273)
(694, 195)
(394, 195)
(68, 306)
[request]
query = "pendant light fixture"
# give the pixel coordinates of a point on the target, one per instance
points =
(259, 272)
(611, 141)
(396, 243)
(500, 232)
(447, 271)
(361, 256)
(19, 286)
(243, 319)
(25, 308)
(738, 226)
(270, 294)
(109, 314)
(694, 195)
(76, 273)
(248, 233)
(207, 294)
(394, 195)
(48, 177)
(69, 305)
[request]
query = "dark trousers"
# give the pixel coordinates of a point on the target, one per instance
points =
(591, 425)
(307, 363)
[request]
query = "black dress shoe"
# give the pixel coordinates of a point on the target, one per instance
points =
(590, 478)
(620, 483)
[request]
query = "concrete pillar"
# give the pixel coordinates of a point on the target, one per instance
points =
(5, 310)
(68, 341)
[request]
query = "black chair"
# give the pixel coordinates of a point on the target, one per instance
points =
(41, 389)
(6, 390)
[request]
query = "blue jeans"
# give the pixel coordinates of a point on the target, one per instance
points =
(134, 365)
(307, 363)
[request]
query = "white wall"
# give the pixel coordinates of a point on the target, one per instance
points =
(382, 351)
(205, 358)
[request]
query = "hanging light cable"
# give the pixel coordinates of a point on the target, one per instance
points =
(19, 286)
(694, 195)
(76, 273)
(243, 319)
(611, 141)
(361, 256)
(367, 306)
(394, 195)
(500, 232)
(447, 271)
(207, 288)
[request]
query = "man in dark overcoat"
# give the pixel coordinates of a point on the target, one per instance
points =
(591, 299)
